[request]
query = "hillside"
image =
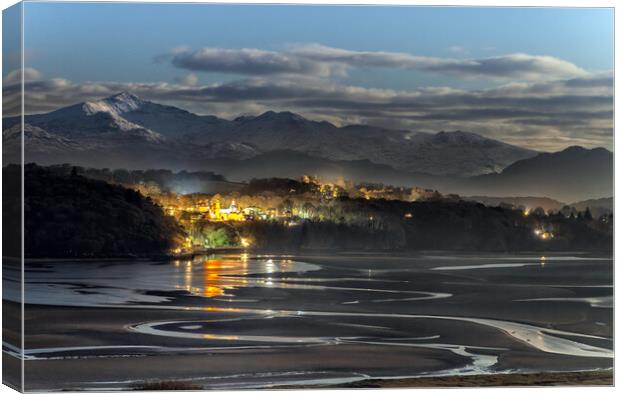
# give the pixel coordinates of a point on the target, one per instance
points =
(598, 207)
(359, 224)
(72, 216)
(527, 202)
(572, 174)
(68, 215)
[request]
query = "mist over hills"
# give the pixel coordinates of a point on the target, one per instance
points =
(126, 131)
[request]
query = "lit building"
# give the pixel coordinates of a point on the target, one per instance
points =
(214, 209)
(232, 213)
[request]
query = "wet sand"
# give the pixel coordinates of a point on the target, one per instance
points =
(269, 321)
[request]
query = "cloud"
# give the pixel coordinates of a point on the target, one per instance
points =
(517, 66)
(323, 61)
(512, 66)
(15, 76)
(188, 80)
(246, 61)
(547, 115)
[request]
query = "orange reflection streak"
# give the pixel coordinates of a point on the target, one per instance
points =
(218, 275)
(221, 337)
(212, 286)
(220, 309)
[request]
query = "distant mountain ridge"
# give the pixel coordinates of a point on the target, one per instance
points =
(598, 206)
(573, 174)
(124, 131)
(125, 118)
(519, 201)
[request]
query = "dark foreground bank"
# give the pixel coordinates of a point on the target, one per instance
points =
(585, 378)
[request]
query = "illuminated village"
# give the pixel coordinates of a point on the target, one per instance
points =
(310, 198)
(230, 219)
(189, 208)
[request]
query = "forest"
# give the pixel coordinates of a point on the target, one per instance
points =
(70, 215)
(430, 222)
(382, 225)
(73, 216)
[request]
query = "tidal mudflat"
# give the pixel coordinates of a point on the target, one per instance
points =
(246, 320)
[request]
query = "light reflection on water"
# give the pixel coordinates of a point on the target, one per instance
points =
(72, 283)
(212, 276)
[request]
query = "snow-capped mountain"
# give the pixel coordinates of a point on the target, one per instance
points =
(94, 119)
(39, 139)
(119, 104)
(117, 122)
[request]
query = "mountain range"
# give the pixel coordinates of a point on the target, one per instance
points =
(124, 118)
(125, 131)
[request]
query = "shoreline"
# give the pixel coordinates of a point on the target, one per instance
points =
(576, 378)
(185, 256)
(309, 252)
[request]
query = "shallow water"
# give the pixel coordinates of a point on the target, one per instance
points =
(314, 315)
